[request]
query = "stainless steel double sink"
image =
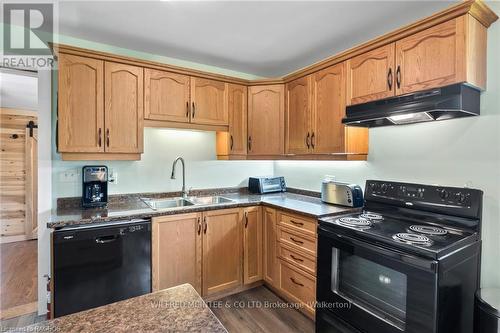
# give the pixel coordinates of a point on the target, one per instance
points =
(170, 203)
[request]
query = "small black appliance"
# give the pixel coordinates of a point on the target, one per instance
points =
(263, 185)
(94, 186)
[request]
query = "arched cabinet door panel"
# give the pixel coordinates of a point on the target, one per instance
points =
(123, 108)
(80, 104)
(166, 96)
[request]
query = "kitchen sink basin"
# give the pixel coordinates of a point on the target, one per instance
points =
(210, 200)
(157, 204)
(167, 203)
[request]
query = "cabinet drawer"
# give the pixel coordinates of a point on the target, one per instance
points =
(301, 261)
(300, 242)
(298, 286)
(305, 225)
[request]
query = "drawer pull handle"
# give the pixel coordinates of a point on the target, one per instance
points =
(297, 223)
(296, 241)
(295, 258)
(297, 283)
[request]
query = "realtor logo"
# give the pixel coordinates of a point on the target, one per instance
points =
(28, 28)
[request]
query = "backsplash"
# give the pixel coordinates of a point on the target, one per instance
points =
(152, 172)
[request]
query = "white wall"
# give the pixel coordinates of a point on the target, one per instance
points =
(455, 152)
(18, 89)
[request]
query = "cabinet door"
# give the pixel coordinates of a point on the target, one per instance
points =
(252, 245)
(80, 104)
(209, 102)
(370, 76)
(432, 58)
(328, 110)
(298, 116)
(222, 250)
(270, 265)
(237, 119)
(176, 251)
(123, 116)
(166, 96)
(266, 120)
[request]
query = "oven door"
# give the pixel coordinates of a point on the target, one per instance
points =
(385, 290)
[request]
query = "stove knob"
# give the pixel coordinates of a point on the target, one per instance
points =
(460, 197)
(444, 194)
(384, 187)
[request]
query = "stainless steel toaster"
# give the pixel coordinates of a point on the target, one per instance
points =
(343, 194)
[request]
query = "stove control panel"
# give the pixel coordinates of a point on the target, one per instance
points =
(442, 198)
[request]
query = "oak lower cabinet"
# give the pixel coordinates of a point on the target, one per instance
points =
(233, 144)
(177, 251)
(252, 245)
(100, 109)
(222, 250)
(296, 243)
(266, 106)
(270, 257)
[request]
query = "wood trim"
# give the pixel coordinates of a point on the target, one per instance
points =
(31, 184)
(14, 238)
(100, 157)
(67, 49)
(18, 112)
(190, 126)
(481, 12)
(18, 310)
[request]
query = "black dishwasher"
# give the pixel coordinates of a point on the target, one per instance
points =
(100, 264)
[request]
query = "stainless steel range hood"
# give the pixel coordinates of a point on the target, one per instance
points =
(454, 101)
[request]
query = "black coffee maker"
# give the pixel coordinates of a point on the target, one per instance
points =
(94, 186)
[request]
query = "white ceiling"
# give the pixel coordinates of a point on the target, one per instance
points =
(264, 38)
(18, 89)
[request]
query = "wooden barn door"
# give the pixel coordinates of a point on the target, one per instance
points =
(18, 175)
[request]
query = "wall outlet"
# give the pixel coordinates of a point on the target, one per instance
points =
(70, 176)
(112, 177)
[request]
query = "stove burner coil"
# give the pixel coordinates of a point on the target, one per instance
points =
(371, 216)
(354, 222)
(428, 230)
(413, 239)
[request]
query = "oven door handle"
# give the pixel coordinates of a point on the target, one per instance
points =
(423, 264)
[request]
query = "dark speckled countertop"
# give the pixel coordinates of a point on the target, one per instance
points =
(177, 309)
(133, 207)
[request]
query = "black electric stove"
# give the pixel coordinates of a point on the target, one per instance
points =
(409, 262)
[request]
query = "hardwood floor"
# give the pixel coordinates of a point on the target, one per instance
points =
(247, 312)
(18, 278)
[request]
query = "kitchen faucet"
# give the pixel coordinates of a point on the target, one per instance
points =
(184, 192)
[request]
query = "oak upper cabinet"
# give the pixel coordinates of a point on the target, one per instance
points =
(328, 104)
(222, 250)
(209, 102)
(266, 120)
(329, 135)
(123, 108)
(270, 257)
(176, 251)
(298, 116)
(370, 76)
(80, 104)
(447, 53)
(233, 144)
(166, 96)
(252, 245)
